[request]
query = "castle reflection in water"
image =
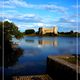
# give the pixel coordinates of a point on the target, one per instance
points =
(43, 42)
(47, 42)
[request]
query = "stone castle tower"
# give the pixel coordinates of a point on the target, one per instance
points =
(53, 30)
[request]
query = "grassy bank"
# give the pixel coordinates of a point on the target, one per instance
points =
(69, 35)
(52, 35)
(72, 59)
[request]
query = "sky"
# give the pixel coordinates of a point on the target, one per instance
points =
(32, 14)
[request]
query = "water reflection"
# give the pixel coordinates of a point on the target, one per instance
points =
(36, 50)
(47, 42)
(29, 41)
(11, 58)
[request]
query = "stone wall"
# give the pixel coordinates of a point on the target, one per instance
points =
(48, 30)
(60, 70)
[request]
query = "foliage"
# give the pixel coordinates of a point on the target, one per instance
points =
(19, 35)
(7, 29)
(29, 31)
(10, 28)
(11, 57)
(69, 34)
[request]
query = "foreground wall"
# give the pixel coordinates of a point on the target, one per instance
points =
(59, 71)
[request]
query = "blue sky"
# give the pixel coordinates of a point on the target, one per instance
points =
(32, 14)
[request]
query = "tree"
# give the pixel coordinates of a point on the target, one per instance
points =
(10, 28)
(71, 31)
(19, 34)
(29, 31)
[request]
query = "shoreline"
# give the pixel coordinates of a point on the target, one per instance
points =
(59, 35)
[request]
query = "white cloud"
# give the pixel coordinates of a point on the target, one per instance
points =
(52, 7)
(28, 18)
(67, 20)
(7, 20)
(4, 15)
(33, 20)
(6, 4)
(40, 24)
(21, 3)
(11, 11)
(24, 26)
(25, 16)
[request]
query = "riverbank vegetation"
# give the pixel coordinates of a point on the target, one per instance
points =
(69, 34)
(74, 58)
(7, 30)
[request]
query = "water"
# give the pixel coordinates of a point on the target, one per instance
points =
(35, 53)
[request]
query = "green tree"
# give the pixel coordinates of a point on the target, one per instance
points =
(19, 34)
(71, 31)
(11, 29)
(29, 31)
(8, 29)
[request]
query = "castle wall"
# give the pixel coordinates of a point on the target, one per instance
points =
(48, 30)
(55, 30)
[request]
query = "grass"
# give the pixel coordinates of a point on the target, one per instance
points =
(59, 35)
(69, 35)
(72, 59)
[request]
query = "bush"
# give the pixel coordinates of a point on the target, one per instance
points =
(29, 31)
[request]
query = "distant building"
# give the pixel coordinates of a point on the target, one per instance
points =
(53, 30)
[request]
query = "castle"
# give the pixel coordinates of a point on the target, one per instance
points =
(53, 30)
